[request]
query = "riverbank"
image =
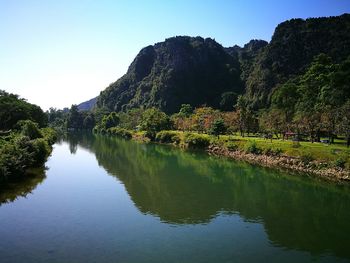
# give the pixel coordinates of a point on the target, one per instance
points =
(23, 150)
(325, 161)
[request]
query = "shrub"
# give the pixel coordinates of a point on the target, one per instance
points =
(306, 158)
(251, 147)
(50, 135)
(168, 137)
(231, 146)
(218, 127)
(340, 162)
(296, 144)
(197, 140)
(126, 134)
(15, 157)
(272, 152)
(29, 128)
(39, 150)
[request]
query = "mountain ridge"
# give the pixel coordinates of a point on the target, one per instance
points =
(199, 71)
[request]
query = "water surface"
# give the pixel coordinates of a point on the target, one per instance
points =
(105, 199)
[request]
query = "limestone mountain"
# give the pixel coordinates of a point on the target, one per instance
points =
(200, 71)
(179, 70)
(294, 44)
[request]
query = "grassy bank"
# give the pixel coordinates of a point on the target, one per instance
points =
(23, 149)
(331, 161)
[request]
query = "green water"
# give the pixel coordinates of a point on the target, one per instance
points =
(109, 200)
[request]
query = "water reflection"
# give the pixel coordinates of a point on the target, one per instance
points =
(10, 191)
(183, 187)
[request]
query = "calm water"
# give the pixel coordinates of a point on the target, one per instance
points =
(109, 200)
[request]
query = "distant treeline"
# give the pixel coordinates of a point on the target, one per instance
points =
(310, 106)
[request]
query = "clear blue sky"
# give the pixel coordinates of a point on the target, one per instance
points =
(56, 53)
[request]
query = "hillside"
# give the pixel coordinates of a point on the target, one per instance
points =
(87, 105)
(200, 71)
(293, 46)
(179, 70)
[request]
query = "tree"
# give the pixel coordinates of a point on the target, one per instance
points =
(231, 119)
(186, 110)
(273, 121)
(111, 120)
(89, 121)
(203, 117)
(218, 127)
(285, 98)
(30, 129)
(344, 122)
(154, 120)
(228, 101)
(13, 109)
(247, 120)
(74, 118)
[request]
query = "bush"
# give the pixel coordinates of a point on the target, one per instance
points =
(39, 150)
(296, 144)
(50, 135)
(340, 162)
(251, 147)
(168, 137)
(197, 140)
(29, 128)
(306, 158)
(15, 157)
(231, 146)
(272, 152)
(126, 134)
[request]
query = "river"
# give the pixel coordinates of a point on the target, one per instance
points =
(104, 199)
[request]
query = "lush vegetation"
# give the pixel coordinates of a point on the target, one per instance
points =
(24, 141)
(201, 72)
(239, 130)
(287, 94)
(14, 109)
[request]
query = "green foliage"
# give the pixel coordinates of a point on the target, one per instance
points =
(40, 150)
(218, 127)
(251, 147)
(293, 47)
(154, 120)
(89, 122)
(121, 132)
(199, 141)
(14, 109)
(111, 120)
(340, 162)
(18, 153)
(75, 118)
(49, 134)
(296, 144)
(168, 137)
(186, 110)
(307, 158)
(29, 129)
(272, 152)
(231, 146)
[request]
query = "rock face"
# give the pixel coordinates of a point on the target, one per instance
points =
(198, 71)
(179, 70)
